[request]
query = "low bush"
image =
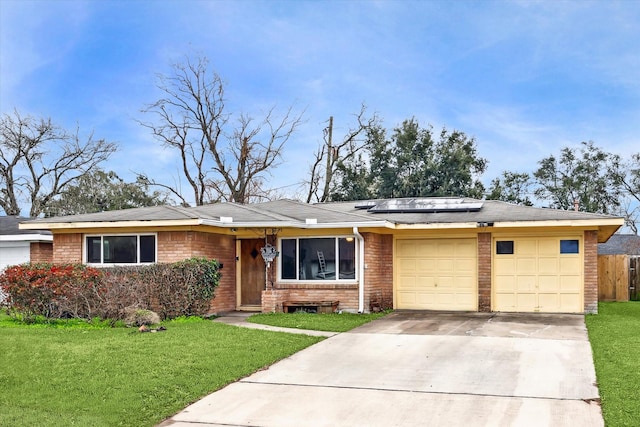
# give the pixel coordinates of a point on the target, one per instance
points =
(53, 291)
(184, 288)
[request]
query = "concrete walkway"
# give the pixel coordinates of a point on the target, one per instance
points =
(411, 369)
(239, 318)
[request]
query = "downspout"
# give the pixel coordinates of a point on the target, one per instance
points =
(360, 270)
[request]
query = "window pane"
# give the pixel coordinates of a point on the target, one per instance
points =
(147, 248)
(119, 249)
(288, 258)
(569, 246)
(93, 250)
(317, 259)
(504, 247)
(347, 256)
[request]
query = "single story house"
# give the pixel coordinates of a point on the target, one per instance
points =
(419, 253)
(19, 246)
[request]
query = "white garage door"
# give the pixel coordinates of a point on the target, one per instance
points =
(436, 274)
(12, 253)
(538, 274)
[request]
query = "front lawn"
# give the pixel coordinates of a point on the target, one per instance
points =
(334, 322)
(615, 339)
(97, 376)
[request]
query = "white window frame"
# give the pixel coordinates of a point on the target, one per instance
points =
(336, 239)
(85, 250)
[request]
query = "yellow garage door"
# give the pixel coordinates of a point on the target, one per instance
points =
(538, 274)
(436, 274)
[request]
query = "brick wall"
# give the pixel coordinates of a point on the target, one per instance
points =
(484, 272)
(346, 294)
(67, 248)
(272, 300)
(590, 271)
(178, 245)
(41, 252)
(378, 273)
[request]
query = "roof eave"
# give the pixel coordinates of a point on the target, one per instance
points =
(27, 238)
(108, 224)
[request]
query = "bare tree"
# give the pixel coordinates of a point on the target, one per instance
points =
(220, 160)
(329, 154)
(39, 159)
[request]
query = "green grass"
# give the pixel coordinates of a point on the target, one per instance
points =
(615, 339)
(90, 375)
(333, 322)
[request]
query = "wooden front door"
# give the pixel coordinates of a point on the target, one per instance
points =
(252, 272)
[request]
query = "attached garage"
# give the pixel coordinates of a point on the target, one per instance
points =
(436, 274)
(538, 274)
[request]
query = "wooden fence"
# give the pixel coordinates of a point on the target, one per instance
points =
(618, 277)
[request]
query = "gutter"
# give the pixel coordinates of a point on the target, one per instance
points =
(360, 269)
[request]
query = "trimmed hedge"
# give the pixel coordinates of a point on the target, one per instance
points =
(184, 288)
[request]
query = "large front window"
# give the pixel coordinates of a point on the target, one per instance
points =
(121, 249)
(327, 258)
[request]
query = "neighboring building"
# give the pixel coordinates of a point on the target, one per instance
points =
(620, 244)
(20, 246)
(418, 253)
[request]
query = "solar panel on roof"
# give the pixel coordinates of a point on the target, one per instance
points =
(425, 205)
(365, 204)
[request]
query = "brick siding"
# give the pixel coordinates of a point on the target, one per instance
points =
(484, 272)
(378, 273)
(590, 271)
(67, 248)
(41, 252)
(178, 245)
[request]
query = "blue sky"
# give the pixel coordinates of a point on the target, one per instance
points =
(524, 78)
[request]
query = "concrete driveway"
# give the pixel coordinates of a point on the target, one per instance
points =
(422, 369)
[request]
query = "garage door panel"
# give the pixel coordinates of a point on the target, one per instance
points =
(505, 285)
(569, 265)
(548, 266)
(526, 302)
(548, 283)
(426, 266)
(408, 265)
(505, 266)
(548, 247)
(525, 283)
(466, 283)
(446, 266)
(526, 247)
(446, 249)
(550, 302)
(466, 266)
(445, 274)
(570, 284)
(425, 250)
(407, 248)
(507, 301)
(526, 265)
